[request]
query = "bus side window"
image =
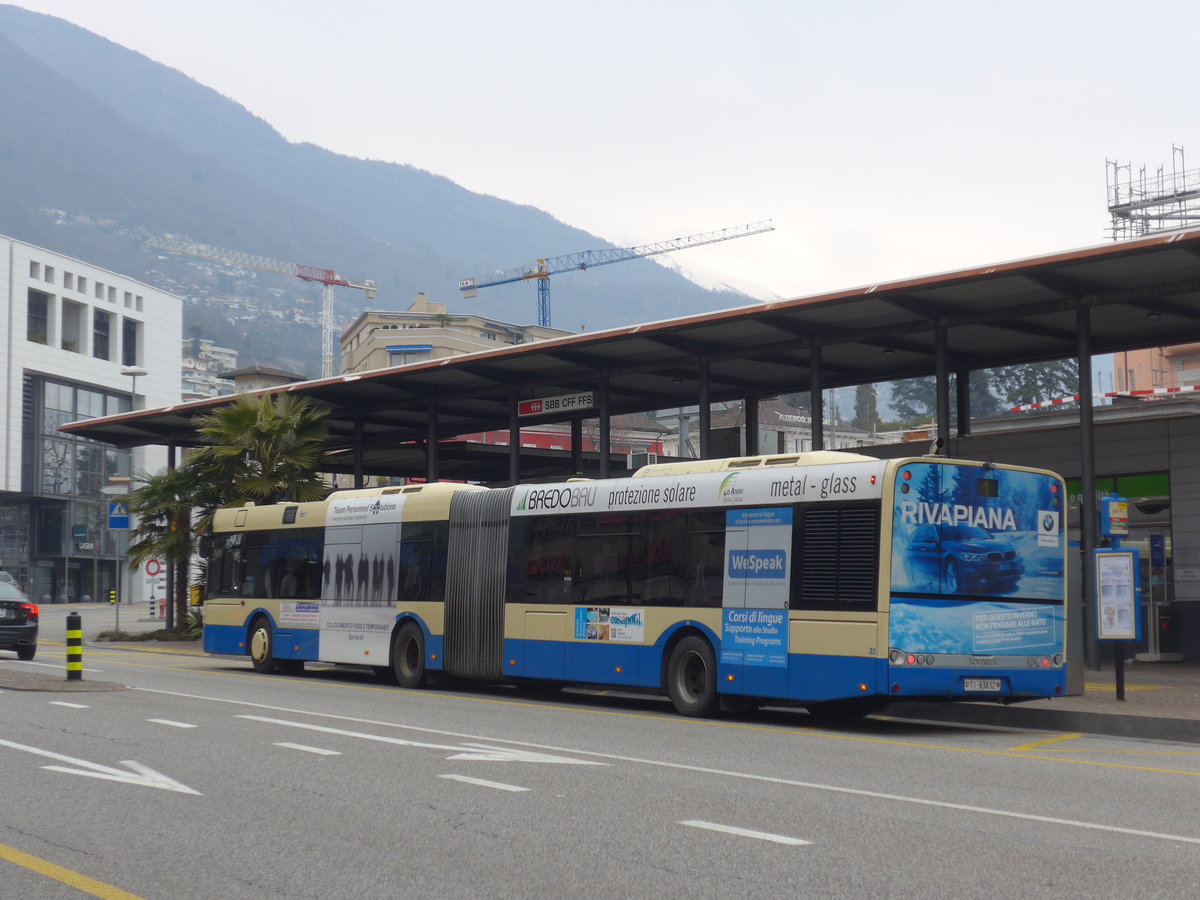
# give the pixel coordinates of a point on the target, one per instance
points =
(421, 568)
(544, 560)
(706, 559)
(666, 557)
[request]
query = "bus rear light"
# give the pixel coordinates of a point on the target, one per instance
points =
(1058, 689)
(1058, 659)
(895, 655)
(1045, 662)
(895, 688)
(910, 660)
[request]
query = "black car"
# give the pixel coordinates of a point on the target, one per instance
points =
(18, 622)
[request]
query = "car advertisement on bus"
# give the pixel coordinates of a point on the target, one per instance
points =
(992, 537)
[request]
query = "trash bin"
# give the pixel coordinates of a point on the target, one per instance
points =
(1168, 630)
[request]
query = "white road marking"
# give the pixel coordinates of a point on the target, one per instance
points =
(465, 751)
(482, 783)
(745, 832)
(68, 705)
(61, 667)
(722, 773)
(172, 724)
(307, 749)
(143, 776)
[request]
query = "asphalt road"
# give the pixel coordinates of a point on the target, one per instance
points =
(202, 779)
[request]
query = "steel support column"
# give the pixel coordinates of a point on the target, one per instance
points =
(431, 443)
(172, 567)
(750, 410)
(1087, 482)
(359, 467)
(942, 368)
(603, 440)
(816, 396)
(514, 439)
(704, 424)
(962, 396)
(577, 446)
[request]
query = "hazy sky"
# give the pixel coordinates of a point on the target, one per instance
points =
(885, 139)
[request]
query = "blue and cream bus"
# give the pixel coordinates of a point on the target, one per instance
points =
(828, 580)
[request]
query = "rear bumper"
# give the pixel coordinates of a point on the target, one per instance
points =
(13, 636)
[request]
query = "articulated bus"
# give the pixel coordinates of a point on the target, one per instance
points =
(827, 580)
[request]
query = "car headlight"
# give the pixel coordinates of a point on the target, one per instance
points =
(972, 557)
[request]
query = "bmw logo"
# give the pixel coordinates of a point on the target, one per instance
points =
(1047, 522)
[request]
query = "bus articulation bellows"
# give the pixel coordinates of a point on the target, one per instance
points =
(829, 580)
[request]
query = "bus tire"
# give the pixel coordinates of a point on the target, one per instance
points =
(408, 656)
(262, 646)
(692, 677)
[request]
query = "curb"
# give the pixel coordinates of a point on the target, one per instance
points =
(1107, 724)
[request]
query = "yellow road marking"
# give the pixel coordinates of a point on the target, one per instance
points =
(1104, 688)
(66, 876)
(1033, 745)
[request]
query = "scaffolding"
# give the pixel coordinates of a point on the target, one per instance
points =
(1152, 203)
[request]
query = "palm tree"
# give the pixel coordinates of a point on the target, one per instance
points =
(163, 508)
(262, 448)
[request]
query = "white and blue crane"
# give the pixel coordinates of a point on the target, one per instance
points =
(542, 269)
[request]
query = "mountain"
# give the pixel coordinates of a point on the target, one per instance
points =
(103, 147)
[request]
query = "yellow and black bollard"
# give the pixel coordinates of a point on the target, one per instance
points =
(74, 647)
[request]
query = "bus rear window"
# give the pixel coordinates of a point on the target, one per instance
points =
(987, 487)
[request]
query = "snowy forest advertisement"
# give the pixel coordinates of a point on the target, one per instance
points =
(992, 537)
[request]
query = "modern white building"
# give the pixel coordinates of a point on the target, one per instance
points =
(78, 342)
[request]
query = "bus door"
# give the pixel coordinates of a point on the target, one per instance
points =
(754, 616)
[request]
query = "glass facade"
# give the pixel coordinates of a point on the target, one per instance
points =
(68, 551)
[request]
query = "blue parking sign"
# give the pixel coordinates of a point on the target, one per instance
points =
(118, 516)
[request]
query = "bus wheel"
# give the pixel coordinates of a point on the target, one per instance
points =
(692, 677)
(408, 656)
(262, 646)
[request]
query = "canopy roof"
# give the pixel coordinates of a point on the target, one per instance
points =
(1140, 293)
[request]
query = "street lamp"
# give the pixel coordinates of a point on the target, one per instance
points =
(133, 372)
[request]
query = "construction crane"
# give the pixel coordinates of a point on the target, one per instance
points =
(325, 277)
(555, 265)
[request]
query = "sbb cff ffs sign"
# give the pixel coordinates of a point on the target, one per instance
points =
(562, 403)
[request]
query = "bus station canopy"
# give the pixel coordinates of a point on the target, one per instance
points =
(1128, 295)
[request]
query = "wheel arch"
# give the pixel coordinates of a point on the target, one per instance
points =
(677, 633)
(402, 619)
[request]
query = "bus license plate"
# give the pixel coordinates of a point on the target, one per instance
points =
(987, 685)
